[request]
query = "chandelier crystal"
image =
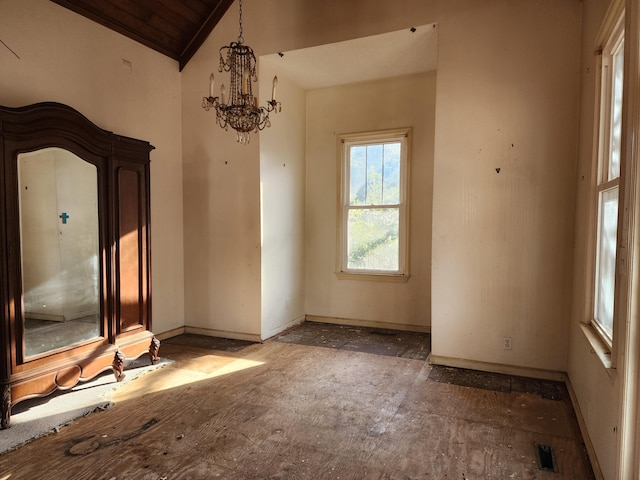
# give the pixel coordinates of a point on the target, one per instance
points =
(239, 109)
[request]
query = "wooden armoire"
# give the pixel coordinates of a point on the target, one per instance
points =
(75, 288)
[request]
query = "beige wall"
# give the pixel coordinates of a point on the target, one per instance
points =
(68, 59)
(507, 99)
(282, 201)
(221, 207)
(378, 105)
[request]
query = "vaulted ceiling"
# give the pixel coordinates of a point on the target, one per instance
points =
(175, 28)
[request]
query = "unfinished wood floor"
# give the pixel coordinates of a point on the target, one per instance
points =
(289, 409)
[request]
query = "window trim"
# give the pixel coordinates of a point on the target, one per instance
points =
(610, 38)
(372, 137)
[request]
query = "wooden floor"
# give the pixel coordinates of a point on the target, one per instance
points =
(368, 407)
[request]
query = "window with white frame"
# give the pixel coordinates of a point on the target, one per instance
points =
(608, 182)
(373, 203)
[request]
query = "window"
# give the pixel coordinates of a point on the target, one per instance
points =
(608, 183)
(373, 204)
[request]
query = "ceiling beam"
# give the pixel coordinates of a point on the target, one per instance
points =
(205, 29)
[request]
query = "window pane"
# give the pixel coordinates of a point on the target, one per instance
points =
(357, 175)
(616, 114)
(374, 175)
(606, 260)
(374, 172)
(373, 239)
(391, 181)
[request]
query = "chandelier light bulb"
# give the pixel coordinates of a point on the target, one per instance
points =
(273, 88)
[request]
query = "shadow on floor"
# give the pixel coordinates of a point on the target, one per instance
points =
(378, 341)
(211, 343)
(547, 389)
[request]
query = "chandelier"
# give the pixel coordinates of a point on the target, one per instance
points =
(240, 108)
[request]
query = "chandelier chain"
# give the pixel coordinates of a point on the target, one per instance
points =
(240, 37)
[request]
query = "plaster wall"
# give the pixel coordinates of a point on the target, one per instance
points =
(504, 183)
(121, 86)
(221, 206)
(282, 207)
(362, 107)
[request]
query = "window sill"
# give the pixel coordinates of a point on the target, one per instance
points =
(373, 277)
(598, 345)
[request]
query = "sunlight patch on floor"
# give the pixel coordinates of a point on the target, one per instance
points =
(195, 370)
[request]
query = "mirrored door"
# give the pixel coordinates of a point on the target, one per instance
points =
(59, 232)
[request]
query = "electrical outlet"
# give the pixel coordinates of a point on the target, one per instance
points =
(507, 343)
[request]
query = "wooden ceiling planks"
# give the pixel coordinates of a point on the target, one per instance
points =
(175, 28)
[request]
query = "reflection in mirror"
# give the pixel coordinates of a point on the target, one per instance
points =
(60, 249)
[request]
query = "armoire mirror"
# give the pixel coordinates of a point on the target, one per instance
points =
(75, 263)
(59, 245)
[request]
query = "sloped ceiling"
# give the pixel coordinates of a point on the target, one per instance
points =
(175, 28)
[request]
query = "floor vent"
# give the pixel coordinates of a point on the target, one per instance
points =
(546, 458)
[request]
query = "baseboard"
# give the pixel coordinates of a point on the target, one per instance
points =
(281, 328)
(210, 332)
(369, 323)
(498, 368)
(591, 451)
(169, 333)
